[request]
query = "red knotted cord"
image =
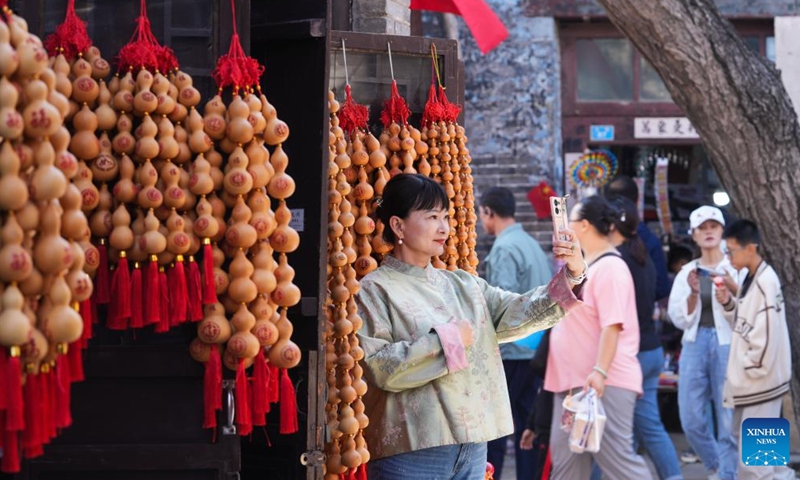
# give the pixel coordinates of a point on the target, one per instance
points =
(143, 50)
(70, 37)
(395, 110)
(352, 115)
(236, 69)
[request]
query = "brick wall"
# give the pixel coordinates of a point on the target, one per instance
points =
(382, 16)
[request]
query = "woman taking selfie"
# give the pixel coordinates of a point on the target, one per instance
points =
(430, 337)
(595, 346)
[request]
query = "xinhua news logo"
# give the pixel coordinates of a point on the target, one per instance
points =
(765, 442)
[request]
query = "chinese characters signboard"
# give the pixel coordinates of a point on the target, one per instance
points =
(664, 128)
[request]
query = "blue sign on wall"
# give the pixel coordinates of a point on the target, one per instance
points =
(601, 133)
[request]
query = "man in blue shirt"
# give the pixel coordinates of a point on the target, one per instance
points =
(624, 186)
(518, 264)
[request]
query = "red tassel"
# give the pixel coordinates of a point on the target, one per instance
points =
(167, 62)
(10, 461)
(163, 289)
(178, 294)
(361, 474)
(548, 466)
(15, 409)
(121, 292)
(212, 389)
(45, 378)
(2, 413)
(451, 110)
(395, 110)
(152, 295)
(209, 286)
(352, 116)
(86, 315)
(70, 36)
(63, 390)
(274, 382)
(260, 387)
(267, 386)
(143, 50)
(52, 383)
(194, 290)
(32, 435)
(288, 405)
(75, 357)
(101, 281)
(235, 68)
(434, 110)
(137, 302)
(243, 417)
(3, 381)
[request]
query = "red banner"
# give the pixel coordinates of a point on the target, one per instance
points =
(484, 24)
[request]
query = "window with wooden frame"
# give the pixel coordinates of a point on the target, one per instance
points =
(601, 67)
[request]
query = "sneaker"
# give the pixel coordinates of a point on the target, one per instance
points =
(689, 456)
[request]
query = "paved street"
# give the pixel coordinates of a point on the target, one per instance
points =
(693, 471)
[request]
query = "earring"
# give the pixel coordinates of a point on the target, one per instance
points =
(399, 241)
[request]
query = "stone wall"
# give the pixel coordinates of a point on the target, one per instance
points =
(382, 16)
(513, 112)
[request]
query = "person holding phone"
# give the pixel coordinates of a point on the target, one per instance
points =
(760, 368)
(706, 340)
(518, 264)
(437, 391)
(596, 347)
(648, 428)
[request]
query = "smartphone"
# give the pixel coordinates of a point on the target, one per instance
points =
(707, 272)
(559, 212)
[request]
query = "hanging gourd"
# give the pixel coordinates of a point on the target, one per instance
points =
(43, 273)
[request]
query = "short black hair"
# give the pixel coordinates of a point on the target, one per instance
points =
(500, 200)
(408, 192)
(743, 231)
(679, 252)
(622, 186)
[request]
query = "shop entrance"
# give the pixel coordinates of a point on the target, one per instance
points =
(690, 182)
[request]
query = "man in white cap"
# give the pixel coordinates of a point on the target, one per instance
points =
(694, 309)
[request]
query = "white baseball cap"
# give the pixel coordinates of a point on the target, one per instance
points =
(706, 212)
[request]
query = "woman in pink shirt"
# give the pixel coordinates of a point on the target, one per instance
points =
(595, 346)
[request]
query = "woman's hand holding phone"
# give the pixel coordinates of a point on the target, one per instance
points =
(569, 251)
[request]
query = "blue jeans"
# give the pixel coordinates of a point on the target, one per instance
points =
(647, 427)
(701, 377)
(522, 387)
(466, 461)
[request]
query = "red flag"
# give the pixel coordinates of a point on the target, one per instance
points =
(487, 29)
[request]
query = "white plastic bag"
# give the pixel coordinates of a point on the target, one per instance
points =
(584, 419)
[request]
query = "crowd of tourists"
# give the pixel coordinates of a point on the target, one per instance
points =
(457, 363)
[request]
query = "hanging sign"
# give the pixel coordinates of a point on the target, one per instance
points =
(674, 128)
(662, 195)
(601, 133)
